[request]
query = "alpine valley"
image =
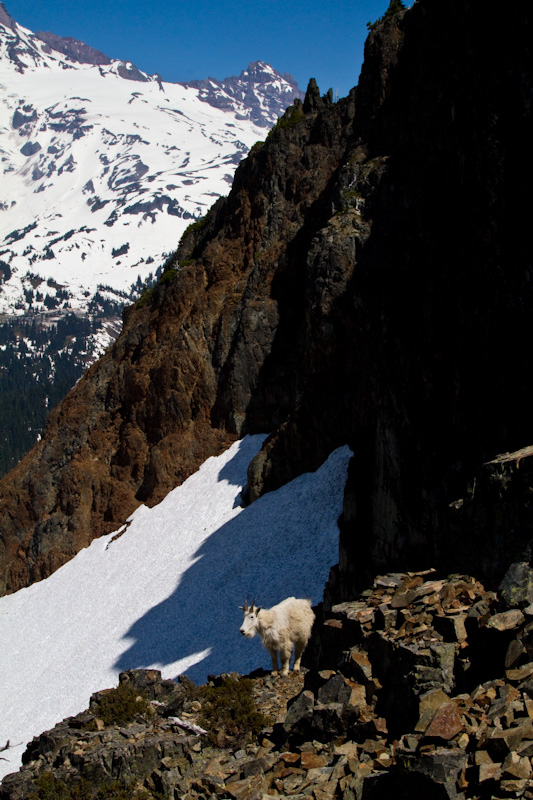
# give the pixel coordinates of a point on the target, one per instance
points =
(103, 168)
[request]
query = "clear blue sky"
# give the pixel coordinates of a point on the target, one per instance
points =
(190, 39)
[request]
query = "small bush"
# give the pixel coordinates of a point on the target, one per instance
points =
(292, 116)
(395, 6)
(195, 226)
(48, 787)
(229, 711)
(121, 705)
(145, 297)
(168, 275)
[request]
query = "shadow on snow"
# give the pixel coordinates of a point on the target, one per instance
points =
(281, 545)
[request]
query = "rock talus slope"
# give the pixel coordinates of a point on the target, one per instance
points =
(367, 280)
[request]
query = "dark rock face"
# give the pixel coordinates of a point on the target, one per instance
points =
(6, 18)
(30, 148)
(368, 280)
(78, 51)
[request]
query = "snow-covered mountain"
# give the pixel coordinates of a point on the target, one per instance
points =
(103, 166)
(164, 591)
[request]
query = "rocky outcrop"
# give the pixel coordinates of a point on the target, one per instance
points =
(366, 281)
(76, 50)
(6, 18)
(420, 686)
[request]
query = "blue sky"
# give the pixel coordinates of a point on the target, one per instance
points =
(191, 39)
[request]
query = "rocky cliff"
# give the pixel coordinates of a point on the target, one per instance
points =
(367, 280)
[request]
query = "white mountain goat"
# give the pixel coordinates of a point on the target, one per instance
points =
(280, 627)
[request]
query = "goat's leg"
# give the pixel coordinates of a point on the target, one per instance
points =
(299, 647)
(274, 657)
(285, 657)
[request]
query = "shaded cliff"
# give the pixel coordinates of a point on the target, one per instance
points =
(367, 280)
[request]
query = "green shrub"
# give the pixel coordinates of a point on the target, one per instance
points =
(48, 787)
(292, 116)
(145, 297)
(121, 705)
(168, 275)
(229, 709)
(395, 6)
(195, 226)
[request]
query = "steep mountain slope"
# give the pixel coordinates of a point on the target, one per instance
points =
(366, 281)
(103, 169)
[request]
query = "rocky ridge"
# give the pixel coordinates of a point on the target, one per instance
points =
(419, 685)
(76, 50)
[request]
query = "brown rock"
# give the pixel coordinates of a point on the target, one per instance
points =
(383, 760)
(488, 771)
(446, 723)
(529, 705)
(360, 668)
(516, 786)
(501, 742)
(507, 620)
(482, 757)
(292, 783)
(290, 759)
(452, 627)
(402, 598)
(520, 673)
(428, 705)
(348, 749)
(325, 791)
(516, 767)
(514, 651)
(312, 761)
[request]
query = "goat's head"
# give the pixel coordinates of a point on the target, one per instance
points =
(249, 623)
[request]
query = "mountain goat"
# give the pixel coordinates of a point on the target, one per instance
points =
(280, 627)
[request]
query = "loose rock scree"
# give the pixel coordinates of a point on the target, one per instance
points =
(280, 627)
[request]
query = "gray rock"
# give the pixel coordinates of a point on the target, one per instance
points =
(301, 708)
(516, 588)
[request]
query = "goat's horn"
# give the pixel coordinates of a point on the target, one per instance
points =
(253, 604)
(245, 605)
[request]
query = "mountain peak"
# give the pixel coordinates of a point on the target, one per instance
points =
(263, 92)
